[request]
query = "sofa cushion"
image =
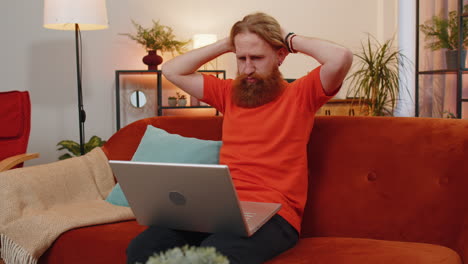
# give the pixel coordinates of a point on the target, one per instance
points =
(331, 250)
(157, 145)
(123, 144)
(117, 197)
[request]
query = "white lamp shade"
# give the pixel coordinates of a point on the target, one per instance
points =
(201, 40)
(64, 14)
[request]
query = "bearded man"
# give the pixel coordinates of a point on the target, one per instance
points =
(266, 127)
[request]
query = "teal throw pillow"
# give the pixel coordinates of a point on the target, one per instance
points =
(157, 145)
(117, 197)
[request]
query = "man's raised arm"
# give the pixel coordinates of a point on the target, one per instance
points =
(336, 60)
(181, 70)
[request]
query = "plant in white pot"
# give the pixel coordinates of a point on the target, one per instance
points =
(181, 99)
(441, 32)
(172, 101)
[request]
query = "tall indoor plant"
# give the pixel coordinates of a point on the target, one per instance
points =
(156, 38)
(376, 80)
(441, 32)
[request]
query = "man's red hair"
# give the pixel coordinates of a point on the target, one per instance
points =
(265, 26)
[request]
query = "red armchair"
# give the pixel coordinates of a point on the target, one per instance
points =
(15, 123)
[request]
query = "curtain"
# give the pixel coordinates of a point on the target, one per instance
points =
(437, 91)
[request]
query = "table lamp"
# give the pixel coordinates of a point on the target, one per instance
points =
(201, 40)
(76, 15)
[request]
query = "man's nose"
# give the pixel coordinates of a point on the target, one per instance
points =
(249, 68)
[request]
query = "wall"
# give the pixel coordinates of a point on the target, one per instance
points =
(407, 44)
(42, 61)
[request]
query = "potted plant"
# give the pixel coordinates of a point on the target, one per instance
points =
(376, 79)
(74, 148)
(181, 99)
(157, 37)
(442, 33)
(449, 115)
(172, 101)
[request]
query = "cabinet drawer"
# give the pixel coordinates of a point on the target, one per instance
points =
(342, 107)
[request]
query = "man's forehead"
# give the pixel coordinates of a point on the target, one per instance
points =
(250, 43)
(248, 38)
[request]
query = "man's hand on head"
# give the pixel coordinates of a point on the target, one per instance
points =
(226, 42)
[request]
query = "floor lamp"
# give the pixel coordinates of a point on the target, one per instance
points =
(76, 15)
(201, 40)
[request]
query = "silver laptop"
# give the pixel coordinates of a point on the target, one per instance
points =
(191, 197)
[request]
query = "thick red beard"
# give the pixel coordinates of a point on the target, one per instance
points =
(264, 90)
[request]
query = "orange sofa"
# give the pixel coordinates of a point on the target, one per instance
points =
(381, 190)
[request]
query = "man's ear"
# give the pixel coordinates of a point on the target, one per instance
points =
(282, 53)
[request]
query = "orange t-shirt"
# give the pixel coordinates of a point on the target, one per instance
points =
(265, 147)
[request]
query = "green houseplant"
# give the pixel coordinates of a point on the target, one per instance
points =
(156, 38)
(449, 115)
(74, 148)
(376, 79)
(441, 32)
(189, 255)
(181, 99)
(172, 101)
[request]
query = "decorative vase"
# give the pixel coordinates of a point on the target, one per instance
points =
(451, 59)
(152, 60)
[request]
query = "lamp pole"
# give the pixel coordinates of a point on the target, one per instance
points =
(81, 111)
(67, 15)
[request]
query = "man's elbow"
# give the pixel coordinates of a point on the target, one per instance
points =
(338, 69)
(341, 62)
(346, 60)
(166, 71)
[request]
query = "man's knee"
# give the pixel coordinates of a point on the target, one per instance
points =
(275, 237)
(235, 248)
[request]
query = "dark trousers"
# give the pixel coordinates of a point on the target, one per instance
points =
(276, 236)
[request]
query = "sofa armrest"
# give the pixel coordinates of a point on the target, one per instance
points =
(462, 242)
(11, 162)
